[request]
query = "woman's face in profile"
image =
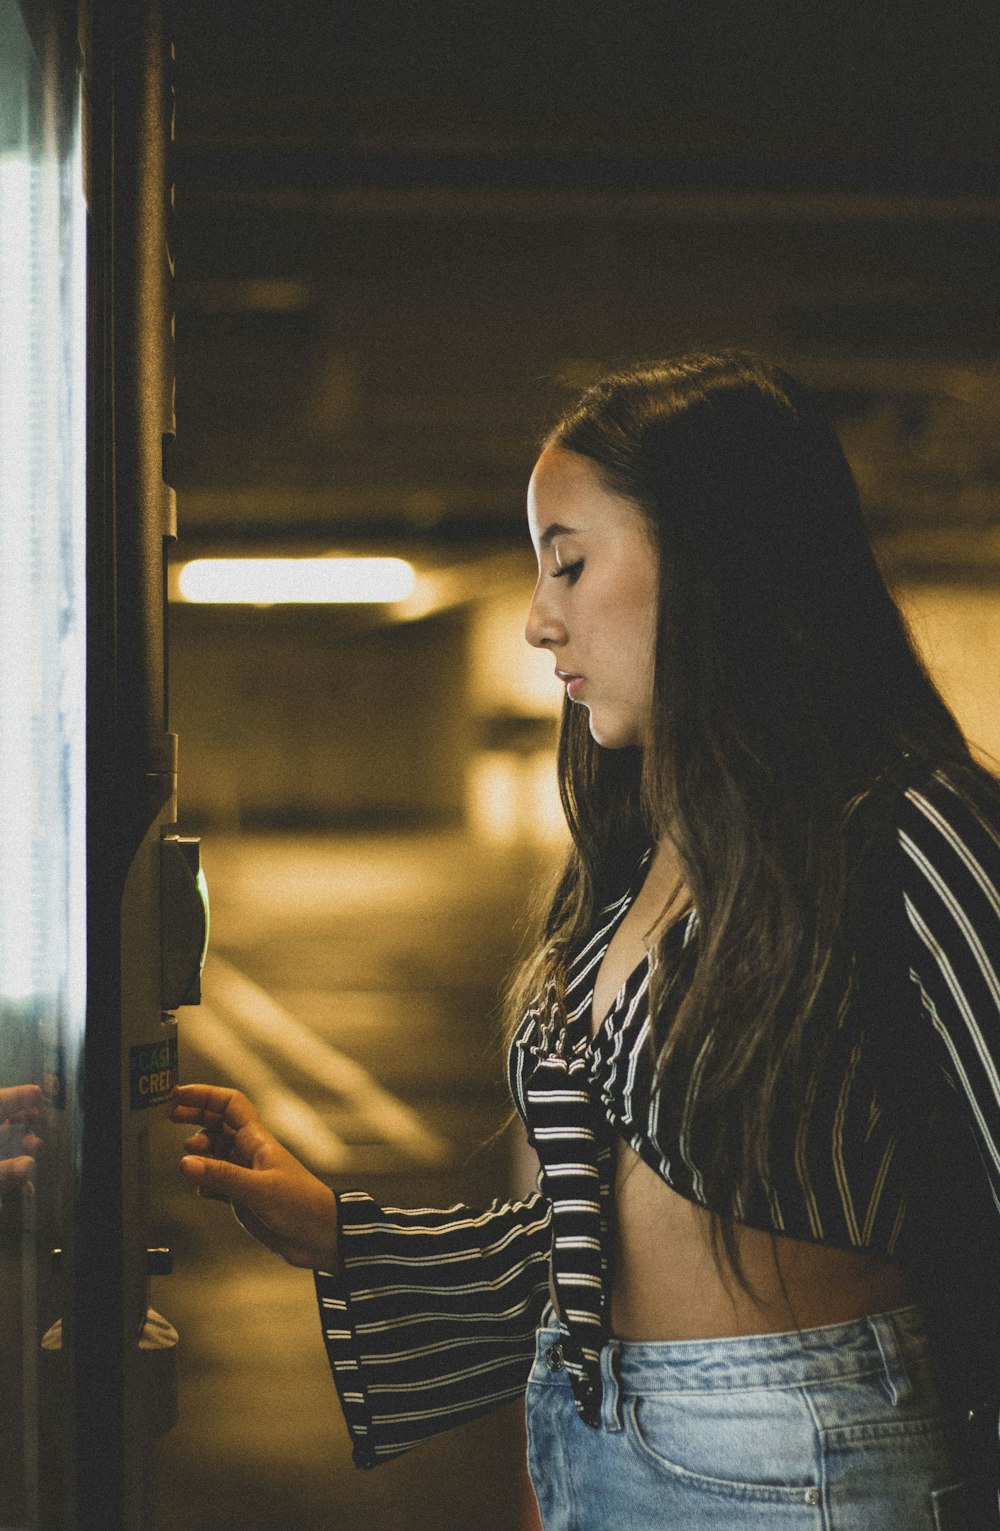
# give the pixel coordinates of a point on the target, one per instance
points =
(595, 600)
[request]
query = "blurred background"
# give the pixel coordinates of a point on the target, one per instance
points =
(407, 234)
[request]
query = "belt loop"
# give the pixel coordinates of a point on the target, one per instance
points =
(896, 1378)
(611, 1402)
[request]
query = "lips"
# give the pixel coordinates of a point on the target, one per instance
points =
(572, 683)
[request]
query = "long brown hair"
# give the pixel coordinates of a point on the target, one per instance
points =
(786, 685)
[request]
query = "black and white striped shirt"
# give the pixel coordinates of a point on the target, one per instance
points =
(431, 1317)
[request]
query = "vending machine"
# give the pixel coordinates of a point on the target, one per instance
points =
(103, 917)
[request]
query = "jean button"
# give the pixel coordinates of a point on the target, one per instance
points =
(554, 1358)
(812, 1496)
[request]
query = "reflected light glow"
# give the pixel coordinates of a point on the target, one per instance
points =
(514, 799)
(17, 615)
(42, 520)
(304, 581)
(506, 672)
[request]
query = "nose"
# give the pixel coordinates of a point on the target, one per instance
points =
(544, 628)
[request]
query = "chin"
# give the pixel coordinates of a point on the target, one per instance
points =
(611, 738)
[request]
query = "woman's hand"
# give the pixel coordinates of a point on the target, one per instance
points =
(21, 1105)
(233, 1156)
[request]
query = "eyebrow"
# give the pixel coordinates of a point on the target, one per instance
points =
(552, 532)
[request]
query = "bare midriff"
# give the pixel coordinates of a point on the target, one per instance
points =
(667, 1283)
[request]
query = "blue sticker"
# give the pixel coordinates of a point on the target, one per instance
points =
(153, 1072)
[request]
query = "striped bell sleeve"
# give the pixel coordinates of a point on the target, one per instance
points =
(430, 1320)
(951, 886)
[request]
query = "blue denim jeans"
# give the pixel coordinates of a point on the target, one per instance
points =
(831, 1429)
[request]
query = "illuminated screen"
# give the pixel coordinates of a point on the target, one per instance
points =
(42, 656)
(42, 712)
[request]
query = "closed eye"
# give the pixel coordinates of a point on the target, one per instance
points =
(570, 571)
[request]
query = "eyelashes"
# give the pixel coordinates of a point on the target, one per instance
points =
(570, 571)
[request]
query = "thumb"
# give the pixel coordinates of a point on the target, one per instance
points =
(219, 1177)
(15, 1174)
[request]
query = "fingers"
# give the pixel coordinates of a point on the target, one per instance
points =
(15, 1174)
(213, 1106)
(212, 1143)
(28, 1143)
(22, 1102)
(23, 1106)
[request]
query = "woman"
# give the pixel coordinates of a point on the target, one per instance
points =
(755, 1043)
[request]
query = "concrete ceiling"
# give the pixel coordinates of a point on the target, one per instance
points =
(406, 234)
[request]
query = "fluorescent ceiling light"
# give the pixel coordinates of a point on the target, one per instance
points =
(274, 581)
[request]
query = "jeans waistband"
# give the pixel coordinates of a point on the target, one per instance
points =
(893, 1343)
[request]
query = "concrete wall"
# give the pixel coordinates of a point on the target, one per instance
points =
(957, 627)
(289, 717)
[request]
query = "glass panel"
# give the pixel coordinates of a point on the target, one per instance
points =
(42, 691)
